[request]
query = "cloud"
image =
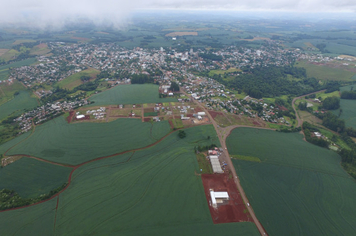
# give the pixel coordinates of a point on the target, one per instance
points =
(42, 13)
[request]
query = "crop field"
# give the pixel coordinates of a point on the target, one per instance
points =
(74, 80)
(297, 188)
(16, 105)
(154, 191)
(348, 107)
(325, 73)
(10, 55)
(31, 178)
(130, 94)
(76, 143)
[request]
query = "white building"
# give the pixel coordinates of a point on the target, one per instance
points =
(218, 197)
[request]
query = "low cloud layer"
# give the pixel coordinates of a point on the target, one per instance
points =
(42, 13)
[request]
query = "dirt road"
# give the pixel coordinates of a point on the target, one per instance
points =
(300, 122)
(231, 167)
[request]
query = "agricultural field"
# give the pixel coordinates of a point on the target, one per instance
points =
(9, 55)
(297, 188)
(74, 80)
(30, 178)
(20, 102)
(130, 94)
(348, 107)
(325, 73)
(40, 49)
(154, 191)
(76, 143)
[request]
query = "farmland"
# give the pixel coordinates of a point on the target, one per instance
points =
(74, 80)
(16, 105)
(130, 94)
(75, 143)
(154, 191)
(348, 107)
(297, 188)
(31, 178)
(325, 73)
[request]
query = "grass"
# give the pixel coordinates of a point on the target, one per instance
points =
(75, 143)
(17, 105)
(221, 72)
(130, 94)
(324, 72)
(297, 188)
(150, 114)
(222, 121)
(324, 95)
(177, 123)
(74, 80)
(348, 107)
(31, 178)
(204, 164)
(150, 192)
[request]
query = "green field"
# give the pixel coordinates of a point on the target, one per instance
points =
(221, 72)
(150, 192)
(31, 178)
(297, 188)
(59, 141)
(348, 107)
(130, 94)
(325, 73)
(74, 80)
(16, 105)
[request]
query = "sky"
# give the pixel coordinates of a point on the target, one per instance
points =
(46, 12)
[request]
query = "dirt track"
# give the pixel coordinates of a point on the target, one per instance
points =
(300, 122)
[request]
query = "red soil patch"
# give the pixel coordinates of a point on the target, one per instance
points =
(171, 124)
(232, 210)
(214, 113)
(197, 109)
(42, 45)
(147, 119)
(189, 115)
(282, 108)
(70, 117)
(146, 110)
(256, 123)
(177, 117)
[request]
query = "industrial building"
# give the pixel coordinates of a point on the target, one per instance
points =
(215, 164)
(218, 197)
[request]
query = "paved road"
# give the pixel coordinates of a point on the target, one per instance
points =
(231, 167)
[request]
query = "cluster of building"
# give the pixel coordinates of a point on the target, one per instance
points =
(98, 114)
(45, 112)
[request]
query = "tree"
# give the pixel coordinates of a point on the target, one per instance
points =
(182, 134)
(331, 103)
(174, 87)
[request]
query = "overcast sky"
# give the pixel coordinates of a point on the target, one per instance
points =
(47, 12)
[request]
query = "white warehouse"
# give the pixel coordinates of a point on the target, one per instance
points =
(218, 197)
